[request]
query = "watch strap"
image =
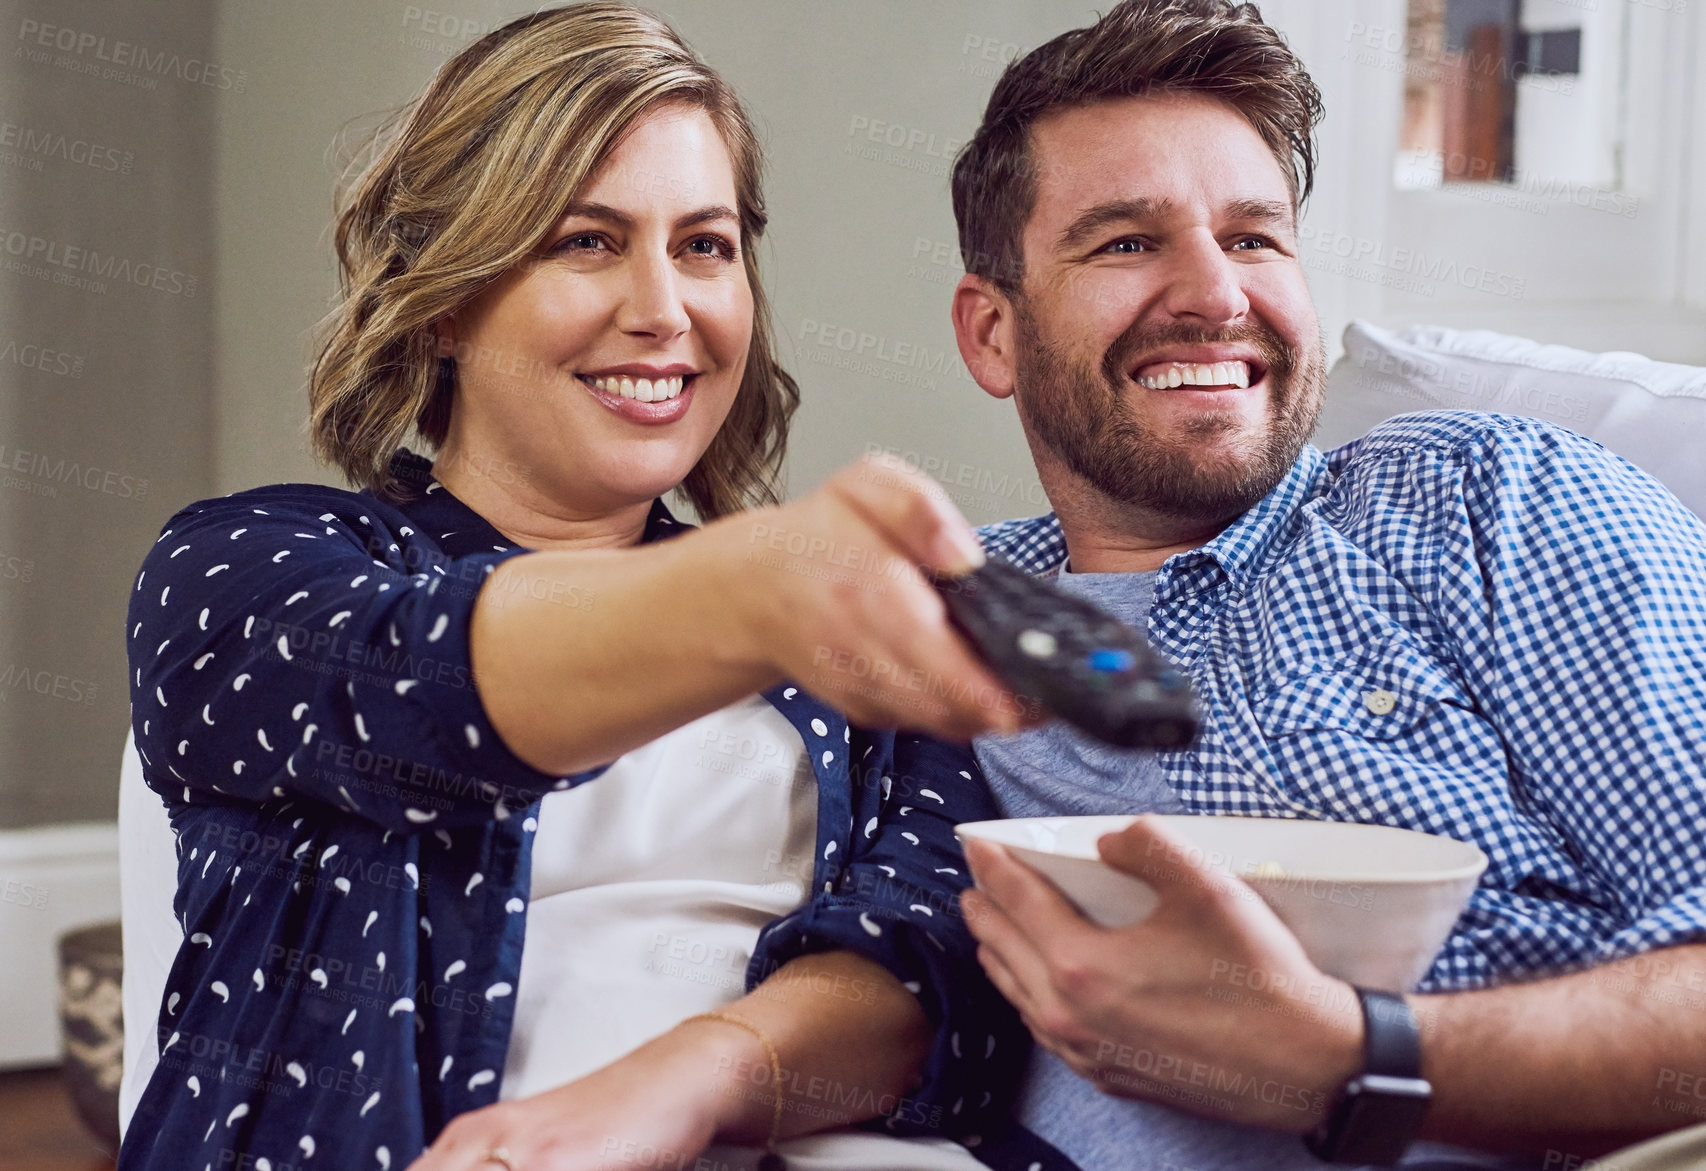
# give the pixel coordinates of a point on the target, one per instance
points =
(1391, 1039)
(1377, 1113)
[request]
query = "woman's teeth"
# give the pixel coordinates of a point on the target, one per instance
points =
(1185, 374)
(646, 390)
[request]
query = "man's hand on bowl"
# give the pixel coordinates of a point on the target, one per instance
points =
(1209, 1005)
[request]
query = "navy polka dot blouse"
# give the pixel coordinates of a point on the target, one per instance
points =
(354, 842)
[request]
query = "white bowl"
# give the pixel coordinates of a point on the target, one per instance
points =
(1370, 904)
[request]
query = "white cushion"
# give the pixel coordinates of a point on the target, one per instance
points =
(1651, 413)
(148, 881)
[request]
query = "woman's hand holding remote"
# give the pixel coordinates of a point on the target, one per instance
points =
(833, 598)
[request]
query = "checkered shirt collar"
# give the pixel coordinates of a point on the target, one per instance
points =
(1038, 545)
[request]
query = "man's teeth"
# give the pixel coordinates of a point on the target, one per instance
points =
(1186, 374)
(646, 390)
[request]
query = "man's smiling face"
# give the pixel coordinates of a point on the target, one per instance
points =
(1167, 351)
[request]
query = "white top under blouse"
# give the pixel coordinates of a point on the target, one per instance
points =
(650, 887)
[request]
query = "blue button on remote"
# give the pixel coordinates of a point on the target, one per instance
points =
(1111, 660)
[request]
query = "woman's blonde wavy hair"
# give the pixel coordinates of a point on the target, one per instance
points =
(467, 181)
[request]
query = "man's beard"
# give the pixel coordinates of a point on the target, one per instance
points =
(1078, 414)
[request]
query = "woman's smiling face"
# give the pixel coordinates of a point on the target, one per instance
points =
(639, 292)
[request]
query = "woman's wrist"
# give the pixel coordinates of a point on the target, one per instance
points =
(729, 561)
(738, 1077)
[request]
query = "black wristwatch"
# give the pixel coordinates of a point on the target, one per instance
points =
(1377, 1113)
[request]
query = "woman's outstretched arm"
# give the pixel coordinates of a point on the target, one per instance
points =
(297, 640)
(823, 591)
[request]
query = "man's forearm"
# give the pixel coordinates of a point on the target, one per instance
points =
(1578, 1064)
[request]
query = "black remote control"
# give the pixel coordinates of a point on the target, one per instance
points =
(1078, 661)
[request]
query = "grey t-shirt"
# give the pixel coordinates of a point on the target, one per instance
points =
(1055, 771)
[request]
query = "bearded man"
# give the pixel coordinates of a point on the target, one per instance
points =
(1473, 625)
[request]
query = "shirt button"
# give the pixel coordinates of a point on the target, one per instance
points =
(1380, 702)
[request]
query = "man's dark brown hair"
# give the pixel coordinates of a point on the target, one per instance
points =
(1215, 48)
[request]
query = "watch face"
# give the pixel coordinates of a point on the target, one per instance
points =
(1378, 1117)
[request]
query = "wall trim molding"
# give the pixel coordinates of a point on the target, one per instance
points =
(53, 879)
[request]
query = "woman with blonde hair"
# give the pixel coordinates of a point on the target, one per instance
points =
(511, 833)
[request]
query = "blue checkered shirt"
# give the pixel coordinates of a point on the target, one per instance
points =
(1537, 607)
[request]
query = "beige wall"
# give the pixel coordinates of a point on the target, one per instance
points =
(105, 386)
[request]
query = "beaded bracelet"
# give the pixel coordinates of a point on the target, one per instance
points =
(772, 1161)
